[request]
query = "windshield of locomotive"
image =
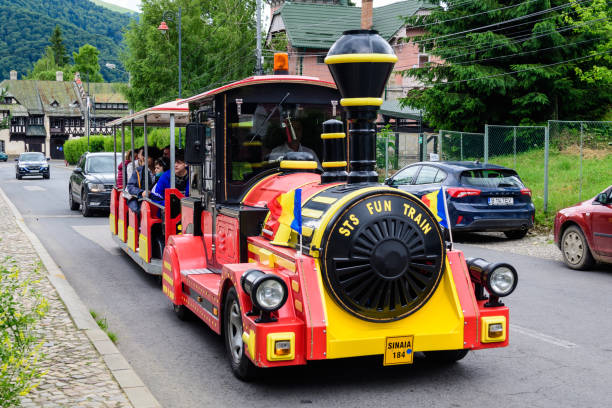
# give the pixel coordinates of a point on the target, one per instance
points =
(263, 133)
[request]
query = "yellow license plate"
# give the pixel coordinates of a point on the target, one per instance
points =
(399, 350)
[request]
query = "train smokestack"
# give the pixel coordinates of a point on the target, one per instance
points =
(360, 63)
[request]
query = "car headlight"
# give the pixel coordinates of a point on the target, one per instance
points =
(268, 292)
(500, 279)
(96, 188)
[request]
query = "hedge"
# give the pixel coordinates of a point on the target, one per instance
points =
(74, 148)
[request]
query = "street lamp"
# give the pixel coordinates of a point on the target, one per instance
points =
(163, 28)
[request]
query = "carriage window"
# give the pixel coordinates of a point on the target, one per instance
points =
(257, 143)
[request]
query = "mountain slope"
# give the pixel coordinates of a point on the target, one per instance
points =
(112, 7)
(27, 26)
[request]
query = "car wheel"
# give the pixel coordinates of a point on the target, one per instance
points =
(85, 210)
(515, 234)
(241, 366)
(446, 356)
(18, 177)
(181, 312)
(73, 205)
(47, 176)
(575, 249)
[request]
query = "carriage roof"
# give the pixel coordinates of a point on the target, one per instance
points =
(158, 115)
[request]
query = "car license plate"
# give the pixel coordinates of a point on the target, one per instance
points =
(501, 200)
(399, 350)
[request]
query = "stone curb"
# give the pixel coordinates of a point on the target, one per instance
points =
(139, 394)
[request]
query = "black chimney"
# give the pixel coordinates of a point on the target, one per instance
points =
(334, 152)
(360, 63)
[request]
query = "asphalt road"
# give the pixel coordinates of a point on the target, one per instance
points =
(559, 353)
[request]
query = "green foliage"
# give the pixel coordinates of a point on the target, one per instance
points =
(386, 136)
(467, 85)
(86, 62)
(21, 307)
(218, 42)
(27, 25)
(57, 46)
(103, 324)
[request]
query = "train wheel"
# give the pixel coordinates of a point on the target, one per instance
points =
(446, 356)
(181, 312)
(241, 366)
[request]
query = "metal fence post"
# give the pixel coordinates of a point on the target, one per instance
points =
(386, 157)
(546, 147)
(461, 144)
(514, 143)
(581, 154)
(486, 144)
(440, 144)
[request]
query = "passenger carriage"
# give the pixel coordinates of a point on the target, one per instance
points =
(370, 273)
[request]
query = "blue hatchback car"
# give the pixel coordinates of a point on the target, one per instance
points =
(479, 197)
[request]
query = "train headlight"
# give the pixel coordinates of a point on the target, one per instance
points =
(500, 279)
(268, 292)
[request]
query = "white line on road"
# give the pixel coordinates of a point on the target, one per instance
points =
(52, 216)
(541, 336)
(34, 188)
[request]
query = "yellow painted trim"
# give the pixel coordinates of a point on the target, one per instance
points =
(310, 213)
(484, 329)
(298, 165)
(351, 58)
(295, 286)
(241, 124)
(269, 258)
(271, 351)
(285, 263)
(298, 306)
(333, 135)
(307, 231)
(168, 279)
(121, 228)
(324, 199)
(334, 164)
(361, 101)
(255, 143)
(168, 292)
(143, 245)
(249, 340)
(112, 224)
(167, 265)
(131, 238)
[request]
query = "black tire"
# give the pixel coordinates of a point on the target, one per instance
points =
(85, 210)
(575, 249)
(73, 205)
(446, 356)
(47, 176)
(515, 234)
(18, 177)
(181, 312)
(240, 364)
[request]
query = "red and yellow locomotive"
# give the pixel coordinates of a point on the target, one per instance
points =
(370, 273)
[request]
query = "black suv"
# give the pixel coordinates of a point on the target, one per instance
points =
(91, 182)
(32, 164)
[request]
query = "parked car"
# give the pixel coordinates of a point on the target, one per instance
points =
(32, 164)
(3, 156)
(91, 182)
(583, 232)
(480, 197)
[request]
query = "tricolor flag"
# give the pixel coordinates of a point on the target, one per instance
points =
(436, 201)
(288, 208)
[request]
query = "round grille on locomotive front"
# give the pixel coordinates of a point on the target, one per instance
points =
(382, 253)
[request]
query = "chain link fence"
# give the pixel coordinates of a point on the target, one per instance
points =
(461, 146)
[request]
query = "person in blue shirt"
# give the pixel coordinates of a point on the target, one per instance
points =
(181, 179)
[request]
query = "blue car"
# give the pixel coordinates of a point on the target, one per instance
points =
(479, 197)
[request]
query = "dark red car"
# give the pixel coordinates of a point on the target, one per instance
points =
(583, 232)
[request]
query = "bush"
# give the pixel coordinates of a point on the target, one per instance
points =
(21, 307)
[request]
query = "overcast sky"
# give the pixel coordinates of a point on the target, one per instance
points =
(134, 4)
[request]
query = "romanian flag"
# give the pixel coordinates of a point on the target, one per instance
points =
(435, 201)
(288, 208)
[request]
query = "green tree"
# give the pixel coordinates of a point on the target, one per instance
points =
(86, 63)
(218, 42)
(57, 46)
(45, 68)
(504, 62)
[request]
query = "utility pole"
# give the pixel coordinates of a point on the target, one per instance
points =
(87, 130)
(258, 68)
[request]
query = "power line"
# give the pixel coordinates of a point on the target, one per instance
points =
(520, 70)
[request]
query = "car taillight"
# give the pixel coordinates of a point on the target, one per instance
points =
(526, 191)
(458, 192)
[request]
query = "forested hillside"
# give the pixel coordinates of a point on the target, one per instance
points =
(27, 25)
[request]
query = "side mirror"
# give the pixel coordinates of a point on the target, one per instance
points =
(194, 143)
(388, 181)
(78, 170)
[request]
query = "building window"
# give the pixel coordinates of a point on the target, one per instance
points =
(423, 60)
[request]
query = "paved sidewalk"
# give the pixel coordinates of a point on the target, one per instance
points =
(83, 367)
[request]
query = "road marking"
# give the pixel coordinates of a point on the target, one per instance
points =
(541, 336)
(98, 234)
(34, 188)
(52, 216)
